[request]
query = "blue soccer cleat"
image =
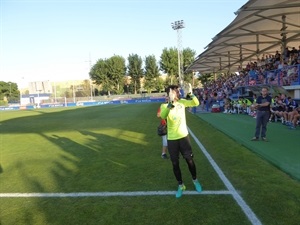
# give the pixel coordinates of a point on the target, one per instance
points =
(181, 188)
(197, 185)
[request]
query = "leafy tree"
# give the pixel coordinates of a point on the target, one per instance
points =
(86, 88)
(135, 70)
(160, 85)
(9, 91)
(116, 72)
(204, 78)
(151, 74)
(169, 64)
(109, 73)
(188, 58)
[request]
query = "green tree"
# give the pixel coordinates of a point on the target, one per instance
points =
(86, 88)
(204, 78)
(135, 70)
(9, 91)
(169, 64)
(109, 74)
(160, 85)
(151, 74)
(188, 58)
(116, 72)
(99, 74)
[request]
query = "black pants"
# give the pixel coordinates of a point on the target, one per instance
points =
(262, 118)
(182, 146)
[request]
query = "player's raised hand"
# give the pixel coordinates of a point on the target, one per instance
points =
(172, 95)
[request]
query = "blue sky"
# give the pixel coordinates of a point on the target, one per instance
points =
(56, 39)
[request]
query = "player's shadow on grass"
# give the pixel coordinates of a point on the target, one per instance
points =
(91, 166)
(79, 168)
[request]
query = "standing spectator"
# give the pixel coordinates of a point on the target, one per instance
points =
(277, 57)
(178, 139)
(262, 105)
(286, 54)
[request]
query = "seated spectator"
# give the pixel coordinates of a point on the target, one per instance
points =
(295, 118)
(274, 109)
(280, 110)
(252, 74)
(228, 107)
(289, 113)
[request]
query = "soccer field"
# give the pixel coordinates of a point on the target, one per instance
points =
(102, 165)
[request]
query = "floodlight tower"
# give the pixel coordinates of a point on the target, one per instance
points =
(178, 25)
(91, 84)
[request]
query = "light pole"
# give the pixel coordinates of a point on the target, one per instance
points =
(73, 93)
(178, 25)
(91, 87)
(39, 101)
(54, 92)
(91, 84)
(9, 89)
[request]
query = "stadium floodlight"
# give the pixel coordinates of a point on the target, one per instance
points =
(9, 89)
(178, 25)
(39, 100)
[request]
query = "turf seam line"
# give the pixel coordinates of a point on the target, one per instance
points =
(246, 209)
(108, 194)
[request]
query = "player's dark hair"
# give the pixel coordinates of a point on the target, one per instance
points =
(173, 87)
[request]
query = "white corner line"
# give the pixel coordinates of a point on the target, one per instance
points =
(247, 210)
(107, 194)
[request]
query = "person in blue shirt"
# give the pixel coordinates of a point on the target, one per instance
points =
(262, 106)
(290, 112)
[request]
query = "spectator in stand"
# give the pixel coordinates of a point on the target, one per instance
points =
(277, 58)
(295, 118)
(252, 74)
(248, 104)
(294, 60)
(252, 107)
(286, 55)
(274, 107)
(281, 107)
(288, 114)
(228, 106)
(294, 52)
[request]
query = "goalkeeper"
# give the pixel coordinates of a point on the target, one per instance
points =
(178, 139)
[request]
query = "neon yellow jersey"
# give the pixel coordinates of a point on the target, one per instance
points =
(248, 102)
(177, 127)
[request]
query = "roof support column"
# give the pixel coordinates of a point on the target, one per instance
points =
(257, 46)
(241, 57)
(229, 65)
(283, 34)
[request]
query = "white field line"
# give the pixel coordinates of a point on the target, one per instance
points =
(247, 210)
(107, 194)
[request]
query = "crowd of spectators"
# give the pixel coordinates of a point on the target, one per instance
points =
(277, 69)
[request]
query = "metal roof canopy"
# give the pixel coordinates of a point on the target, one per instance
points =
(261, 27)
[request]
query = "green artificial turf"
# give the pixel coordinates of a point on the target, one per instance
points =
(282, 148)
(115, 148)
